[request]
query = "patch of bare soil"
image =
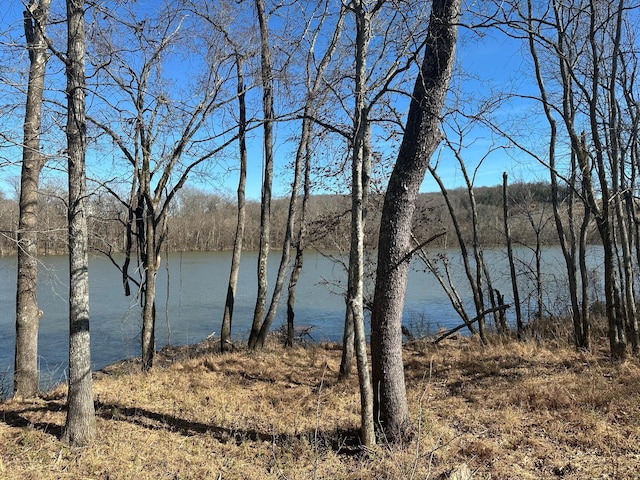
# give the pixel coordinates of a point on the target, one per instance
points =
(509, 411)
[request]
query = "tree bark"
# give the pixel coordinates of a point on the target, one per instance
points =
(360, 169)
(618, 180)
(225, 332)
(346, 360)
(512, 265)
(300, 246)
(421, 137)
(301, 159)
(28, 313)
(615, 316)
(151, 263)
(80, 428)
(267, 181)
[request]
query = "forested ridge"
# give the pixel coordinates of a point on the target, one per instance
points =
(202, 221)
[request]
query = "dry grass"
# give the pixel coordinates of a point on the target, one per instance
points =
(512, 411)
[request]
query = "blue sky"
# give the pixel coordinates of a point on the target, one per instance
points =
(488, 67)
(493, 62)
(496, 63)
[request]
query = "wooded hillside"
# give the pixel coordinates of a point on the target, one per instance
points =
(204, 221)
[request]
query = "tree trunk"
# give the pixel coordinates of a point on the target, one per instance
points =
(360, 168)
(151, 264)
(618, 180)
(267, 181)
(477, 283)
(512, 265)
(225, 332)
(582, 316)
(346, 361)
(632, 317)
(615, 317)
(301, 160)
(28, 313)
(291, 296)
(80, 427)
(360, 179)
(421, 137)
(286, 244)
(300, 245)
(147, 240)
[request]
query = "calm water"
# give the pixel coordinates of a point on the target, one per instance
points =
(191, 295)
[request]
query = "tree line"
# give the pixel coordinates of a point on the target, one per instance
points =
(132, 101)
(201, 221)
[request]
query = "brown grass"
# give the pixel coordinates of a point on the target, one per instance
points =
(510, 411)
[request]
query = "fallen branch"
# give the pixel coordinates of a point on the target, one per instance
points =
(473, 320)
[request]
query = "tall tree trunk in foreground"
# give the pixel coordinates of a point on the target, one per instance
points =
(151, 264)
(267, 181)
(225, 332)
(360, 169)
(360, 179)
(28, 314)
(421, 137)
(80, 428)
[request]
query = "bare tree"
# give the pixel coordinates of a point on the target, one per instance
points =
(386, 38)
(303, 159)
(566, 233)
(80, 427)
(300, 247)
(314, 82)
(582, 53)
(221, 21)
(28, 313)
(475, 271)
(267, 180)
(421, 137)
(162, 133)
(225, 332)
(360, 175)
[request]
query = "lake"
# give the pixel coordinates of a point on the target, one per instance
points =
(190, 301)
